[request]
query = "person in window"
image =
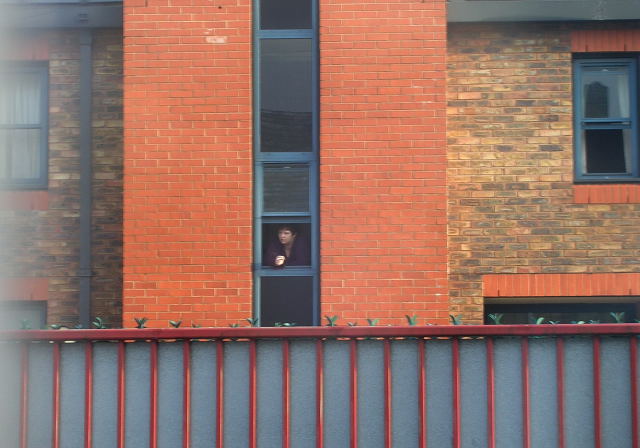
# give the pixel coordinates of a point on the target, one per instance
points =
(289, 249)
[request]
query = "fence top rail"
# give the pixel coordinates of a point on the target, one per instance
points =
(390, 332)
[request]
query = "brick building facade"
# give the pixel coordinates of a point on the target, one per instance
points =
(441, 174)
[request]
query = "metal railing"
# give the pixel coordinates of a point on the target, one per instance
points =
(450, 386)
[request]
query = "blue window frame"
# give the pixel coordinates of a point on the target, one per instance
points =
(23, 125)
(606, 119)
(285, 142)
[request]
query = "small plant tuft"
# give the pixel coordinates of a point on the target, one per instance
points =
(411, 320)
(456, 320)
(331, 320)
(253, 321)
(140, 321)
(539, 321)
(352, 324)
(25, 324)
(618, 317)
(372, 322)
(99, 323)
(175, 323)
(496, 318)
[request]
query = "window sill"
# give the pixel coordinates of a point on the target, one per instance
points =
(24, 200)
(606, 194)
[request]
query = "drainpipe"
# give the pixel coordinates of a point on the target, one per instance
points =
(86, 174)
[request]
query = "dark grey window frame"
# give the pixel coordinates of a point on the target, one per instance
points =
(266, 159)
(42, 70)
(581, 123)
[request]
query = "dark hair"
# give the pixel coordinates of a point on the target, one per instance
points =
(288, 227)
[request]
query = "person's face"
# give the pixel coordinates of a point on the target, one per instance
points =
(286, 236)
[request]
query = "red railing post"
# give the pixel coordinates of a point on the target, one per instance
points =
(597, 411)
(24, 394)
(153, 395)
(88, 394)
(455, 367)
(253, 408)
(422, 394)
(491, 395)
(560, 389)
(186, 394)
(55, 436)
(219, 393)
(633, 359)
(387, 394)
(526, 410)
(285, 393)
(353, 356)
(319, 394)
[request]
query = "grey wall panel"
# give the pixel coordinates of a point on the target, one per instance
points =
(105, 394)
(170, 394)
(508, 393)
(203, 394)
(578, 389)
(439, 393)
(303, 394)
(336, 394)
(10, 384)
(269, 393)
(615, 393)
(40, 395)
(473, 394)
(370, 394)
(72, 393)
(543, 396)
(137, 386)
(236, 394)
(404, 385)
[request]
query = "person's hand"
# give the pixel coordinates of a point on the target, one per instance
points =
(279, 261)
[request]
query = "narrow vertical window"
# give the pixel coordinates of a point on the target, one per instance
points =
(286, 163)
(606, 124)
(23, 126)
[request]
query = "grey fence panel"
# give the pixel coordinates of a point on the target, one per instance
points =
(508, 393)
(10, 385)
(137, 391)
(405, 385)
(303, 394)
(371, 394)
(170, 394)
(473, 394)
(615, 393)
(543, 392)
(105, 395)
(439, 393)
(336, 394)
(236, 394)
(269, 393)
(578, 393)
(204, 367)
(72, 395)
(40, 395)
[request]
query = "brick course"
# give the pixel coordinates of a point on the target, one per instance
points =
(512, 207)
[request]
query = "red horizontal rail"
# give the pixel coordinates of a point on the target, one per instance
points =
(321, 332)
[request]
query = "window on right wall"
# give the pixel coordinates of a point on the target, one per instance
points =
(606, 119)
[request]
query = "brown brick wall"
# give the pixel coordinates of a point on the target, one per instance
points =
(510, 174)
(43, 236)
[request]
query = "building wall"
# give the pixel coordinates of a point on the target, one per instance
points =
(513, 206)
(188, 160)
(40, 259)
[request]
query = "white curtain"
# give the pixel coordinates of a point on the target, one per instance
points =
(20, 121)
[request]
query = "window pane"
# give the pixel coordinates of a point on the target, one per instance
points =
(606, 92)
(285, 95)
(285, 14)
(20, 94)
(286, 188)
(24, 145)
(286, 299)
(273, 244)
(607, 150)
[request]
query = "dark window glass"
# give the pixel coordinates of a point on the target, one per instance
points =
(286, 300)
(606, 92)
(607, 150)
(300, 253)
(285, 95)
(564, 313)
(285, 14)
(286, 188)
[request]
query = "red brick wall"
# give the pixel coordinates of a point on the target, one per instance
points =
(383, 160)
(188, 182)
(513, 206)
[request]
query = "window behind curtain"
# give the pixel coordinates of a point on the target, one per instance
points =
(23, 125)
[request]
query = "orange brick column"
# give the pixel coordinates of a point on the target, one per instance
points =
(187, 187)
(383, 159)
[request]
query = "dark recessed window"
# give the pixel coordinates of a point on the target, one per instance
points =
(285, 14)
(564, 313)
